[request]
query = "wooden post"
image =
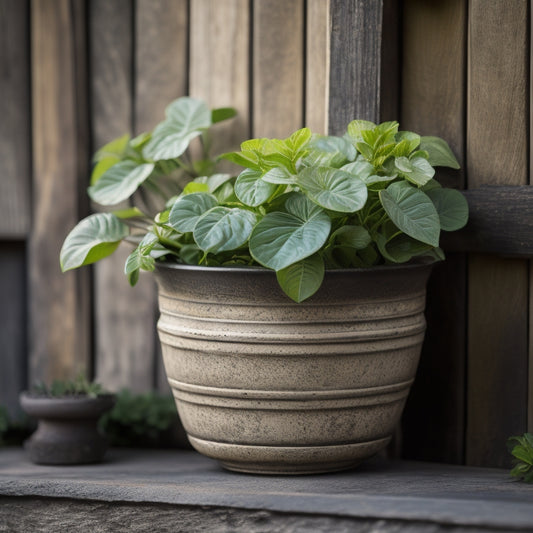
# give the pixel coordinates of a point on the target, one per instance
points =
(497, 153)
(59, 303)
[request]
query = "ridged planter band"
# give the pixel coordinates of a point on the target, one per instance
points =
(266, 385)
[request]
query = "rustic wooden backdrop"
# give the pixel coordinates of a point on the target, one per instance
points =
(77, 73)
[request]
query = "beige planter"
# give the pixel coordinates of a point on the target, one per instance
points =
(266, 385)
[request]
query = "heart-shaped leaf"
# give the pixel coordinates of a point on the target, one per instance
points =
(333, 189)
(94, 238)
(186, 119)
(223, 228)
(188, 209)
(412, 212)
(251, 189)
(119, 182)
(283, 238)
(416, 170)
(440, 154)
(451, 206)
(302, 279)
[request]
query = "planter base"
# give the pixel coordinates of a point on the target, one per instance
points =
(276, 460)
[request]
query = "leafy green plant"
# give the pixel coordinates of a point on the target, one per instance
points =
(140, 420)
(521, 447)
(13, 432)
(301, 205)
(80, 386)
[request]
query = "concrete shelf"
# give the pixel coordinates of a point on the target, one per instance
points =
(175, 490)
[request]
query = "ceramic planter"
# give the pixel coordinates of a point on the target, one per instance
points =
(266, 385)
(67, 432)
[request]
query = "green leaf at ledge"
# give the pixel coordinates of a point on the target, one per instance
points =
(120, 182)
(333, 189)
(222, 229)
(451, 206)
(188, 209)
(301, 280)
(412, 212)
(283, 238)
(94, 238)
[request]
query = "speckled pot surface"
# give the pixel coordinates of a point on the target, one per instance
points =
(67, 432)
(266, 385)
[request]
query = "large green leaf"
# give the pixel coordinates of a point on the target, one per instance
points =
(283, 238)
(186, 119)
(223, 228)
(412, 212)
(94, 238)
(251, 189)
(222, 113)
(416, 170)
(451, 206)
(120, 182)
(440, 154)
(353, 236)
(302, 279)
(188, 209)
(280, 176)
(333, 189)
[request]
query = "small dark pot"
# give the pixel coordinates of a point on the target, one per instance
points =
(67, 433)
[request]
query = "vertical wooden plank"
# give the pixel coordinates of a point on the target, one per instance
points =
(434, 46)
(497, 140)
(59, 310)
(124, 317)
(390, 71)
(161, 63)
(220, 64)
(13, 321)
(530, 326)
(355, 62)
(317, 65)
(15, 124)
(278, 76)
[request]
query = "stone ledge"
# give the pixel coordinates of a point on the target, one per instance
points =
(155, 486)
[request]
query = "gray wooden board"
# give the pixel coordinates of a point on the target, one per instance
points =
(500, 222)
(407, 491)
(15, 138)
(498, 299)
(59, 307)
(124, 319)
(433, 102)
(13, 324)
(355, 62)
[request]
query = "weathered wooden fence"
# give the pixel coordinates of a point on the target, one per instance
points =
(77, 73)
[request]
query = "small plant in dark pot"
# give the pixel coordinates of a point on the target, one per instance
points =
(67, 414)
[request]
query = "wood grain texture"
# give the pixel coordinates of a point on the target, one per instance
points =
(278, 62)
(500, 222)
(317, 65)
(13, 321)
(124, 317)
(220, 65)
(530, 366)
(355, 62)
(390, 71)
(161, 75)
(433, 67)
(497, 133)
(59, 307)
(15, 137)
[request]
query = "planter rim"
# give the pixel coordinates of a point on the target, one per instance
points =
(30, 401)
(259, 269)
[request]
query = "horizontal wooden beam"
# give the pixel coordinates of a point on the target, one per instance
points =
(500, 222)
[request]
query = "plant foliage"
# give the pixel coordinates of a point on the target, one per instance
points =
(299, 206)
(521, 447)
(80, 386)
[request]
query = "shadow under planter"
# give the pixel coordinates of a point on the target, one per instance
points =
(67, 432)
(269, 386)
